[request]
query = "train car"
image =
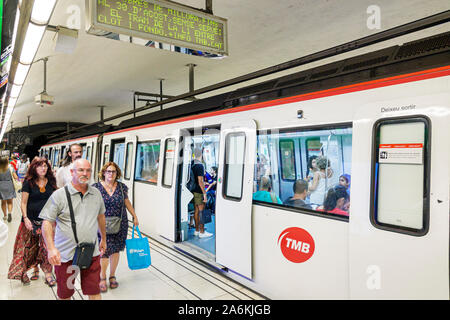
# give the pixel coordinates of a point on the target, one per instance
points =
(375, 126)
(57, 152)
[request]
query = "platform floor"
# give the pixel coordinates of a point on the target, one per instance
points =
(172, 276)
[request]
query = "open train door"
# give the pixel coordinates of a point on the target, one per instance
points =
(167, 197)
(399, 228)
(128, 172)
(234, 196)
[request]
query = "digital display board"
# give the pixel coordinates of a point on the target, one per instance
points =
(161, 21)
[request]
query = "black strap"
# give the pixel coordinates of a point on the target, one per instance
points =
(72, 216)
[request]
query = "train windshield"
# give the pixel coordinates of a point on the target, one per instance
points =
(307, 169)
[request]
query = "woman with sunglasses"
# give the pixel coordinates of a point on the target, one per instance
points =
(115, 196)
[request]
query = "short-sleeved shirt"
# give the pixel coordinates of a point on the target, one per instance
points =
(22, 167)
(265, 196)
(199, 171)
(36, 199)
(14, 164)
(86, 209)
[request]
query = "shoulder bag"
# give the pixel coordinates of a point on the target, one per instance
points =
(17, 184)
(113, 223)
(85, 250)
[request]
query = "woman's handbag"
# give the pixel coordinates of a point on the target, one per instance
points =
(84, 251)
(113, 223)
(17, 184)
(138, 252)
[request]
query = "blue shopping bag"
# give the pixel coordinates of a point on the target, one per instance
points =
(138, 252)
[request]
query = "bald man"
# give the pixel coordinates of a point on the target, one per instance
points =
(89, 211)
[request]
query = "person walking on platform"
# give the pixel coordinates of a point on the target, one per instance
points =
(22, 167)
(63, 175)
(29, 249)
(7, 191)
(89, 215)
(13, 162)
(115, 196)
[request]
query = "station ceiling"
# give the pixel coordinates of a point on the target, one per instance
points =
(261, 33)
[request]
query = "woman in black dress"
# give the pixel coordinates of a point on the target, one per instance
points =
(115, 196)
(29, 249)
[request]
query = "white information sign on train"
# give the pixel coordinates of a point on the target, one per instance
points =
(404, 153)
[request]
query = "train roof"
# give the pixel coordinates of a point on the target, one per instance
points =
(396, 60)
(433, 51)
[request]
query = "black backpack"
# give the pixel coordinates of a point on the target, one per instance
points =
(190, 185)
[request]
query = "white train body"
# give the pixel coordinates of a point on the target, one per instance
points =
(355, 257)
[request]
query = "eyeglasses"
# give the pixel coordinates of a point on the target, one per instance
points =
(84, 170)
(110, 171)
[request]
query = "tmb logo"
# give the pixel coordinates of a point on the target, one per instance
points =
(296, 244)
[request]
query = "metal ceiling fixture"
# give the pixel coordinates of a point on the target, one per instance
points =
(44, 99)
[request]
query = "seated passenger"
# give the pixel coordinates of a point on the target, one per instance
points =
(300, 192)
(211, 189)
(345, 180)
(335, 201)
(211, 180)
(264, 193)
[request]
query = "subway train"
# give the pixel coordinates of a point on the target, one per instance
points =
(376, 124)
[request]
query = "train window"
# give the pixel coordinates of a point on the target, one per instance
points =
(128, 158)
(118, 156)
(106, 154)
(56, 157)
(88, 153)
(147, 161)
(83, 146)
(63, 149)
(234, 165)
(305, 168)
(287, 159)
(169, 157)
(400, 175)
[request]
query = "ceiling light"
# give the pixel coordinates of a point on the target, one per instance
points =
(9, 111)
(21, 73)
(42, 10)
(12, 102)
(15, 91)
(31, 44)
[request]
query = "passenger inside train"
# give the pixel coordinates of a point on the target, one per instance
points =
(305, 169)
(208, 145)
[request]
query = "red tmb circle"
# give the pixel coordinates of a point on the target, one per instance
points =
(296, 244)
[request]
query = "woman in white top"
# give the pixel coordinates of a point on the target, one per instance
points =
(317, 185)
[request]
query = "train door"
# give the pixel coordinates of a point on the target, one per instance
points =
(118, 153)
(288, 169)
(184, 210)
(83, 150)
(167, 195)
(399, 239)
(128, 176)
(105, 157)
(206, 143)
(234, 196)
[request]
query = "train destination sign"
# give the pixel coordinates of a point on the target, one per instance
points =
(162, 21)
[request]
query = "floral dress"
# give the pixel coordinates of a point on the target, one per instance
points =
(115, 206)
